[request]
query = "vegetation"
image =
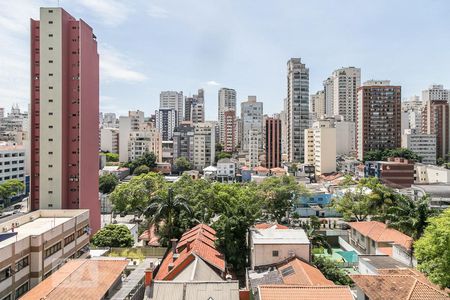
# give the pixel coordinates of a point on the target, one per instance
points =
(222, 154)
(111, 157)
(148, 159)
(182, 164)
(383, 155)
(113, 235)
(318, 240)
(107, 183)
(10, 188)
(432, 250)
(354, 204)
(331, 270)
(141, 170)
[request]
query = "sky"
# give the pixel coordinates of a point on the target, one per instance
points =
(148, 46)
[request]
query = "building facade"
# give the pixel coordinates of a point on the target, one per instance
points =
(320, 147)
(109, 140)
(227, 102)
(378, 122)
(64, 114)
(273, 143)
(166, 121)
(422, 144)
(12, 162)
(172, 100)
(147, 140)
(204, 146)
(194, 108)
(317, 104)
(127, 125)
(345, 84)
(229, 126)
(297, 108)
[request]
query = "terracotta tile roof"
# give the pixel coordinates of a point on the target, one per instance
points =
(379, 232)
(277, 292)
(412, 272)
(296, 271)
(268, 225)
(79, 279)
(385, 250)
(260, 169)
(201, 239)
(398, 287)
(150, 236)
(278, 170)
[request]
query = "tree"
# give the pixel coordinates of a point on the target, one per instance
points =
(318, 240)
(331, 270)
(107, 183)
(280, 194)
(112, 157)
(221, 154)
(432, 250)
(9, 188)
(410, 216)
(135, 195)
(141, 170)
(167, 209)
(148, 159)
(182, 164)
(382, 155)
(356, 203)
(113, 235)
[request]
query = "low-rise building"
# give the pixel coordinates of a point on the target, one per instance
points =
(296, 291)
(12, 162)
(396, 172)
(372, 237)
(439, 194)
(428, 174)
(274, 244)
(420, 143)
(226, 169)
(370, 264)
(81, 279)
(34, 245)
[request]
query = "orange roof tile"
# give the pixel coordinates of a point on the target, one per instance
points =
(151, 236)
(300, 272)
(398, 287)
(202, 244)
(411, 272)
(268, 225)
(385, 250)
(379, 232)
(260, 169)
(277, 292)
(79, 279)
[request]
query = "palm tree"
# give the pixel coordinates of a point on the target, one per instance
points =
(167, 209)
(318, 240)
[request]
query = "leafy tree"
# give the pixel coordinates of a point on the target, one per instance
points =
(348, 181)
(383, 155)
(331, 270)
(182, 164)
(222, 154)
(167, 209)
(141, 170)
(135, 195)
(355, 204)
(318, 240)
(113, 235)
(9, 188)
(148, 159)
(107, 183)
(111, 157)
(280, 194)
(219, 147)
(432, 250)
(410, 216)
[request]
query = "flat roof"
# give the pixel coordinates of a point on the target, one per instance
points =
(273, 235)
(382, 262)
(437, 190)
(79, 279)
(35, 227)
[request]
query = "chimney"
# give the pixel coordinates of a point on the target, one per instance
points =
(148, 276)
(174, 245)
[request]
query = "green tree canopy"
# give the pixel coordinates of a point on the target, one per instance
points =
(432, 250)
(182, 164)
(11, 187)
(331, 270)
(107, 183)
(383, 155)
(147, 159)
(135, 195)
(222, 154)
(141, 170)
(111, 157)
(113, 235)
(354, 204)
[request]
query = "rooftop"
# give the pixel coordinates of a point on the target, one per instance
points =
(434, 190)
(379, 232)
(382, 262)
(277, 292)
(273, 235)
(171, 290)
(79, 279)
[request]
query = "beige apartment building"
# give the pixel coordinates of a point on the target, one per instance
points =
(34, 245)
(320, 147)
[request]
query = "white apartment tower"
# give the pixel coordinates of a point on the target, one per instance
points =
(128, 124)
(172, 100)
(297, 108)
(252, 120)
(422, 144)
(227, 102)
(317, 104)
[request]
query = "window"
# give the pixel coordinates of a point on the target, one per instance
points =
(22, 263)
(50, 48)
(50, 35)
(82, 231)
(22, 290)
(69, 239)
(7, 297)
(50, 140)
(50, 22)
(50, 88)
(50, 179)
(50, 126)
(50, 74)
(53, 249)
(50, 192)
(373, 243)
(50, 166)
(50, 100)
(275, 253)
(5, 273)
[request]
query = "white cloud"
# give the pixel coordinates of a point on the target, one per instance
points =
(212, 83)
(156, 11)
(111, 12)
(116, 66)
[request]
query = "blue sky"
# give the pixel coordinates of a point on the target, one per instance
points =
(149, 46)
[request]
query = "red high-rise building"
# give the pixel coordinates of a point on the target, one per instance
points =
(273, 143)
(436, 120)
(64, 114)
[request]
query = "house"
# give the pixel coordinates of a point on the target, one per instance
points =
(276, 243)
(163, 168)
(261, 171)
(210, 172)
(278, 171)
(372, 237)
(402, 284)
(295, 291)
(81, 279)
(396, 172)
(175, 290)
(150, 237)
(226, 169)
(370, 264)
(119, 172)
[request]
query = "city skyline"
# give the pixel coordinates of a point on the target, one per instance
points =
(231, 46)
